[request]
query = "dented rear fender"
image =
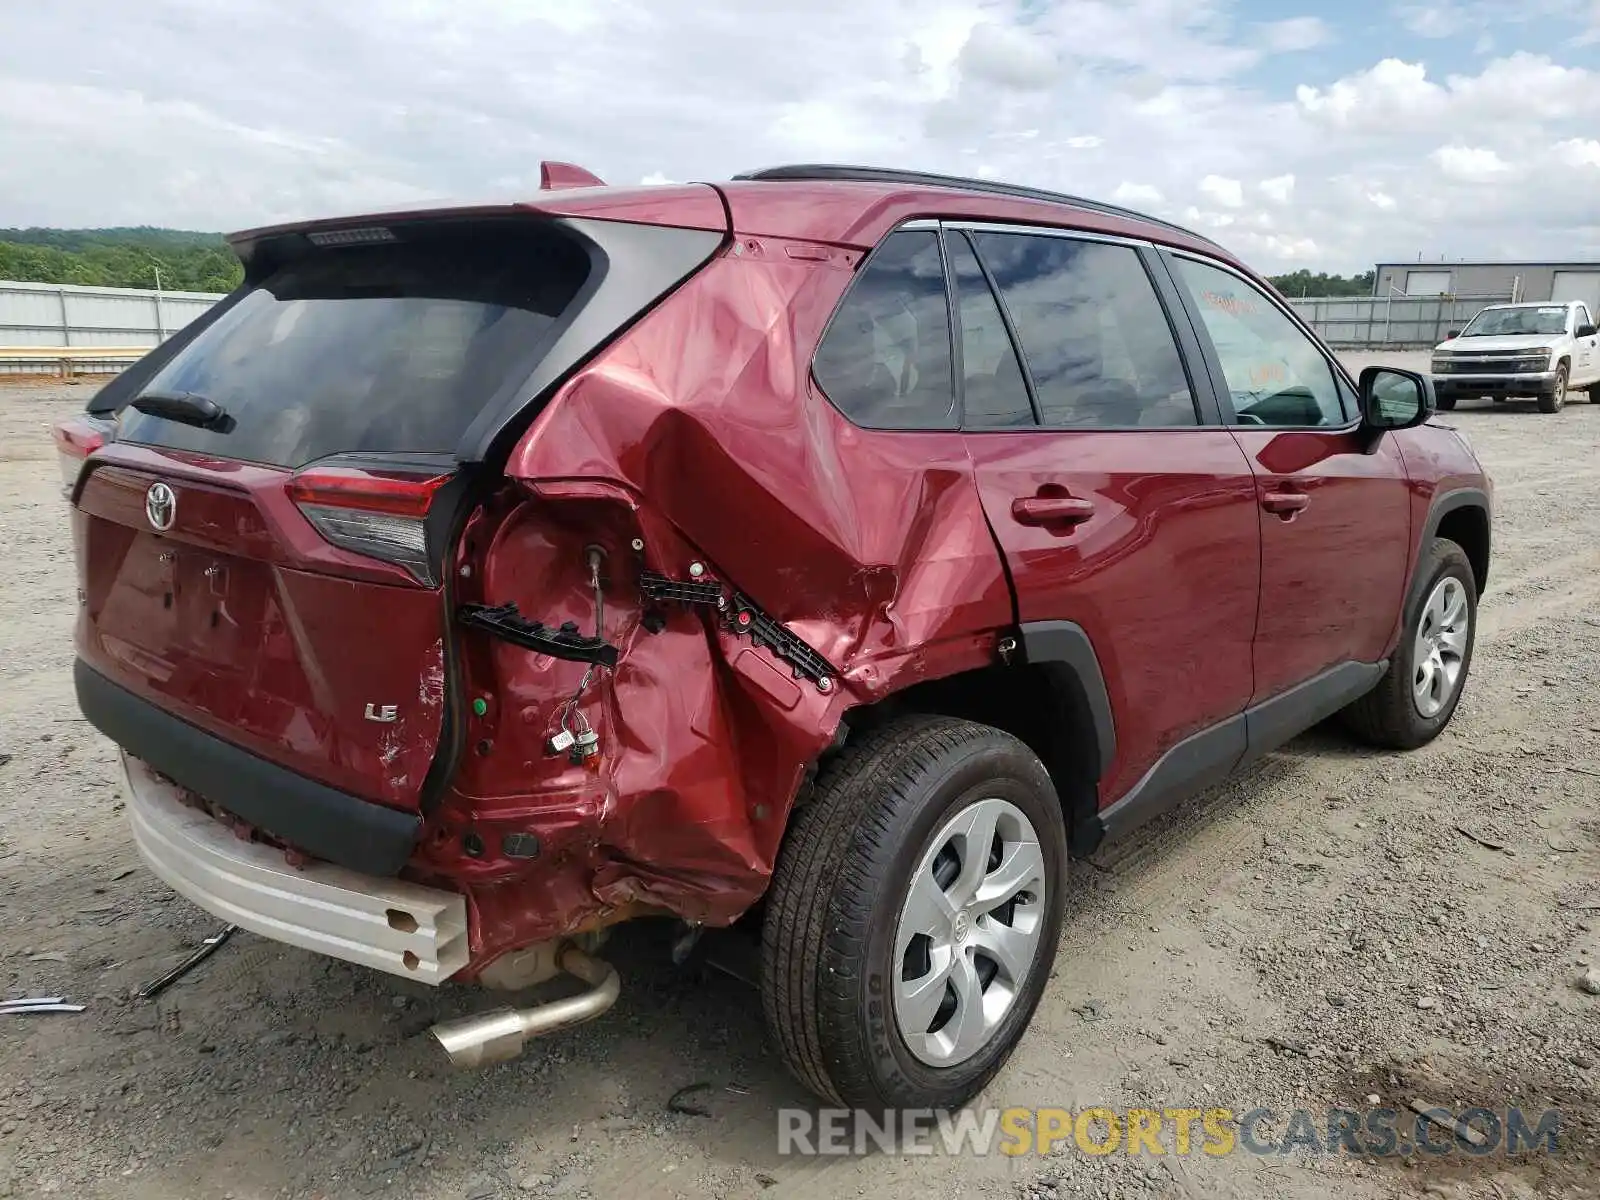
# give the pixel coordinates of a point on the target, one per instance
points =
(698, 449)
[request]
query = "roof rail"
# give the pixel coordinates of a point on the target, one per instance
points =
(847, 174)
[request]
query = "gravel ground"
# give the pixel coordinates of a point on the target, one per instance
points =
(1333, 924)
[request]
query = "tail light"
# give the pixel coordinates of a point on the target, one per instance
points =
(76, 438)
(382, 515)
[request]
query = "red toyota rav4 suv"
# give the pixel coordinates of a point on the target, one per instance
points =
(834, 548)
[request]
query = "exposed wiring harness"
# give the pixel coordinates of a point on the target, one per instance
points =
(574, 731)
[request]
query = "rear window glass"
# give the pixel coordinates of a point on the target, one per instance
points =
(388, 348)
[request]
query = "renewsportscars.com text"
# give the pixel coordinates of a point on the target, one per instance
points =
(1213, 1132)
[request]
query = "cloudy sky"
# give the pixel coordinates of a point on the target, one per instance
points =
(1298, 132)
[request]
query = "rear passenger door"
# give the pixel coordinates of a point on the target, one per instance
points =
(1121, 502)
(1334, 506)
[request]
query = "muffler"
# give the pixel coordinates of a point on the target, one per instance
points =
(500, 1033)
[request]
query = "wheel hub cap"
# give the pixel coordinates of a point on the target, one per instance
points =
(969, 931)
(1441, 646)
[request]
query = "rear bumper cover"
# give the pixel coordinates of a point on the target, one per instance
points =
(415, 932)
(322, 821)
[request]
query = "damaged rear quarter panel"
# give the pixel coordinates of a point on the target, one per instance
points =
(701, 433)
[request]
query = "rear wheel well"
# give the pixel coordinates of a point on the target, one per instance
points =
(1043, 705)
(1468, 527)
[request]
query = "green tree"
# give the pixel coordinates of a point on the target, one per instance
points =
(122, 257)
(1306, 283)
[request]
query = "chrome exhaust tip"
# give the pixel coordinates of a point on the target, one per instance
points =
(501, 1033)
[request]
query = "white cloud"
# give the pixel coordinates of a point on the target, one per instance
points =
(1008, 56)
(1285, 248)
(1220, 190)
(1471, 164)
(1136, 193)
(1396, 96)
(1373, 96)
(1279, 189)
(1381, 199)
(1578, 152)
(1296, 33)
(655, 179)
(1433, 21)
(1084, 141)
(1211, 220)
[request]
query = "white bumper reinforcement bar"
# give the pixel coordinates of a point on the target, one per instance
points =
(402, 928)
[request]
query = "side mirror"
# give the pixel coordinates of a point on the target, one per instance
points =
(1454, 333)
(1585, 331)
(1394, 399)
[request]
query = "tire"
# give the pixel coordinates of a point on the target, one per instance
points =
(1594, 394)
(841, 898)
(1445, 403)
(1550, 402)
(1394, 714)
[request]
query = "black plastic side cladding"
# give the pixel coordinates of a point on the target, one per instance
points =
(1210, 755)
(1065, 642)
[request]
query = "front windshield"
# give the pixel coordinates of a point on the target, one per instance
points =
(1501, 322)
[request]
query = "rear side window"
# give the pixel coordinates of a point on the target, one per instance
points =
(380, 349)
(994, 395)
(885, 360)
(1093, 332)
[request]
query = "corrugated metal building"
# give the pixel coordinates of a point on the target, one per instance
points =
(1497, 280)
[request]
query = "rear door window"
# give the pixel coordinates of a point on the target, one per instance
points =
(1093, 331)
(994, 395)
(375, 349)
(885, 360)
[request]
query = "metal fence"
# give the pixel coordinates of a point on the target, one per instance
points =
(47, 314)
(1393, 321)
(126, 322)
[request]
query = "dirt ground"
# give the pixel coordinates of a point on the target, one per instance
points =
(1332, 925)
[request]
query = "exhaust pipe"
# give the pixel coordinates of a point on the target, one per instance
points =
(500, 1033)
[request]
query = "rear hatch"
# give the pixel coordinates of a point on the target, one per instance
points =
(264, 540)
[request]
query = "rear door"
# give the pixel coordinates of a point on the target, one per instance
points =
(263, 544)
(1121, 503)
(1334, 507)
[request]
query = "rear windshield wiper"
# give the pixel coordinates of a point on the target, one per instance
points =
(184, 407)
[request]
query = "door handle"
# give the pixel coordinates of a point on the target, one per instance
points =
(1051, 510)
(1285, 504)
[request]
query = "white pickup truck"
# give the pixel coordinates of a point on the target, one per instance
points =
(1541, 351)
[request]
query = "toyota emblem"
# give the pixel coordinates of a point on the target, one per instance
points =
(161, 506)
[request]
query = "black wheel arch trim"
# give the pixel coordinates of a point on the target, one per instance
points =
(1065, 642)
(1445, 503)
(322, 821)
